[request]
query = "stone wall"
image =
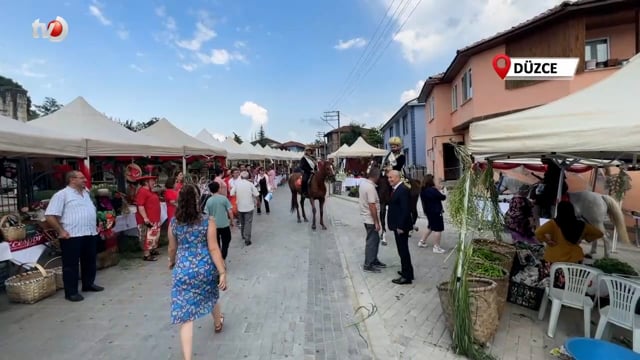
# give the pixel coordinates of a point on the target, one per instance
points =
(14, 103)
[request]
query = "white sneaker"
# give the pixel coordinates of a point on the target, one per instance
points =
(422, 244)
(438, 250)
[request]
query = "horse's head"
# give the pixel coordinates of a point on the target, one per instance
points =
(326, 170)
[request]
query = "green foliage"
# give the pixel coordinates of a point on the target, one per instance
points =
(375, 138)
(487, 255)
(139, 125)
(352, 135)
(484, 268)
(237, 138)
(48, 106)
(614, 266)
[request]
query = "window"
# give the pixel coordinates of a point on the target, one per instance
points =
(454, 97)
(432, 108)
(391, 131)
(596, 49)
(405, 128)
(467, 86)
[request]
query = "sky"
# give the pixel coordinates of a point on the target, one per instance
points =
(231, 66)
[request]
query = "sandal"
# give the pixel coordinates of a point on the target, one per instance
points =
(154, 252)
(218, 328)
(149, 258)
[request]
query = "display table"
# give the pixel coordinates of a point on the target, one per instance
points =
(127, 222)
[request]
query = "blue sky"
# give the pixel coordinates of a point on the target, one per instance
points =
(229, 66)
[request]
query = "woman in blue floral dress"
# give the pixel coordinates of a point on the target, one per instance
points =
(198, 268)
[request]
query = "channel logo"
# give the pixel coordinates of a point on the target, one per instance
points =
(56, 30)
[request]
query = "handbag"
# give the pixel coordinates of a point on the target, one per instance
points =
(269, 196)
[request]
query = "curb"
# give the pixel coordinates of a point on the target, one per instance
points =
(377, 337)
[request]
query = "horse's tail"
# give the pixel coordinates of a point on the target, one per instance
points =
(294, 198)
(617, 217)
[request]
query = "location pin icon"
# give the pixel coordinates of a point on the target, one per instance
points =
(502, 70)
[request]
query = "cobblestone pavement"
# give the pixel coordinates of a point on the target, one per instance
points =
(288, 298)
(409, 323)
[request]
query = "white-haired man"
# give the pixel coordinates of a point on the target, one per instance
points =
(246, 194)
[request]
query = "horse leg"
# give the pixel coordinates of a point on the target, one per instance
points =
(605, 241)
(383, 223)
(313, 210)
(304, 215)
(321, 202)
(294, 203)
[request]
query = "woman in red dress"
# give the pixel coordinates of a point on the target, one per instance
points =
(171, 197)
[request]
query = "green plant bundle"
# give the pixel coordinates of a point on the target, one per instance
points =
(484, 268)
(618, 184)
(614, 266)
(487, 255)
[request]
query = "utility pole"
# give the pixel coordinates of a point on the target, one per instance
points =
(321, 136)
(329, 117)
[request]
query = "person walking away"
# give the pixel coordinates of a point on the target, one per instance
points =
(563, 235)
(219, 207)
(399, 221)
(271, 177)
(309, 166)
(171, 198)
(218, 178)
(432, 199)
(73, 215)
(245, 193)
(148, 217)
(262, 183)
(369, 210)
(519, 219)
(197, 268)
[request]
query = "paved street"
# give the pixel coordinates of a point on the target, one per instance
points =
(288, 298)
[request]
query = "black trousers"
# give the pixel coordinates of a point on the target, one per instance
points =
(76, 251)
(305, 183)
(261, 200)
(224, 238)
(402, 243)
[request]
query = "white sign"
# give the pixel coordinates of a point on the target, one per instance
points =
(509, 68)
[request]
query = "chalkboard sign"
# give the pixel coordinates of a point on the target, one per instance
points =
(337, 188)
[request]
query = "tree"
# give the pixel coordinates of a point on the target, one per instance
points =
(352, 135)
(48, 106)
(375, 138)
(237, 138)
(139, 125)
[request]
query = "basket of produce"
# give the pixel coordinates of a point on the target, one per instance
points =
(12, 228)
(479, 268)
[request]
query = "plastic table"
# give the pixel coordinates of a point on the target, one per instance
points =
(593, 349)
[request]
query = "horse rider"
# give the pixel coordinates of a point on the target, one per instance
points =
(546, 199)
(395, 160)
(308, 165)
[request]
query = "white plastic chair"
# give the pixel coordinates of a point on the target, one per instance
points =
(577, 280)
(623, 297)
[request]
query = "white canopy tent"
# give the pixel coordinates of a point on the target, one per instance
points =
(168, 133)
(102, 136)
(598, 122)
(360, 148)
(22, 139)
(232, 152)
(251, 150)
(242, 152)
(338, 153)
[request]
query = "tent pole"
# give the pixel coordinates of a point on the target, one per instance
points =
(184, 165)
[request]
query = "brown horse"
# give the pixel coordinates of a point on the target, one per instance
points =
(384, 193)
(317, 191)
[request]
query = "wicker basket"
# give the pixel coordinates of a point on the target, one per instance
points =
(12, 233)
(31, 287)
(107, 259)
(502, 288)
(484, 312)
(57, 271)
(499, 247)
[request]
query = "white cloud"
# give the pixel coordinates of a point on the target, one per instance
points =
(219, 57)
(258, 114)
(201, 35)
(96, 11)
(239, 44)
(27, 69)
(189, 67)
(161, 11)
(139, 54)
(425, 37)
(123, 33)
(411, 93)
(351, 43)
(136, 68)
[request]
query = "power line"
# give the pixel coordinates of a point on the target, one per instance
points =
(373, 40)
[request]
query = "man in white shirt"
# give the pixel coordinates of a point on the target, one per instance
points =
(246, 194)
(370, 210)
(72, 213)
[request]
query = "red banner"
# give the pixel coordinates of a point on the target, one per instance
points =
(38, 238)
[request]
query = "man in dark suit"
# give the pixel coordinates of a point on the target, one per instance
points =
(399, 221)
